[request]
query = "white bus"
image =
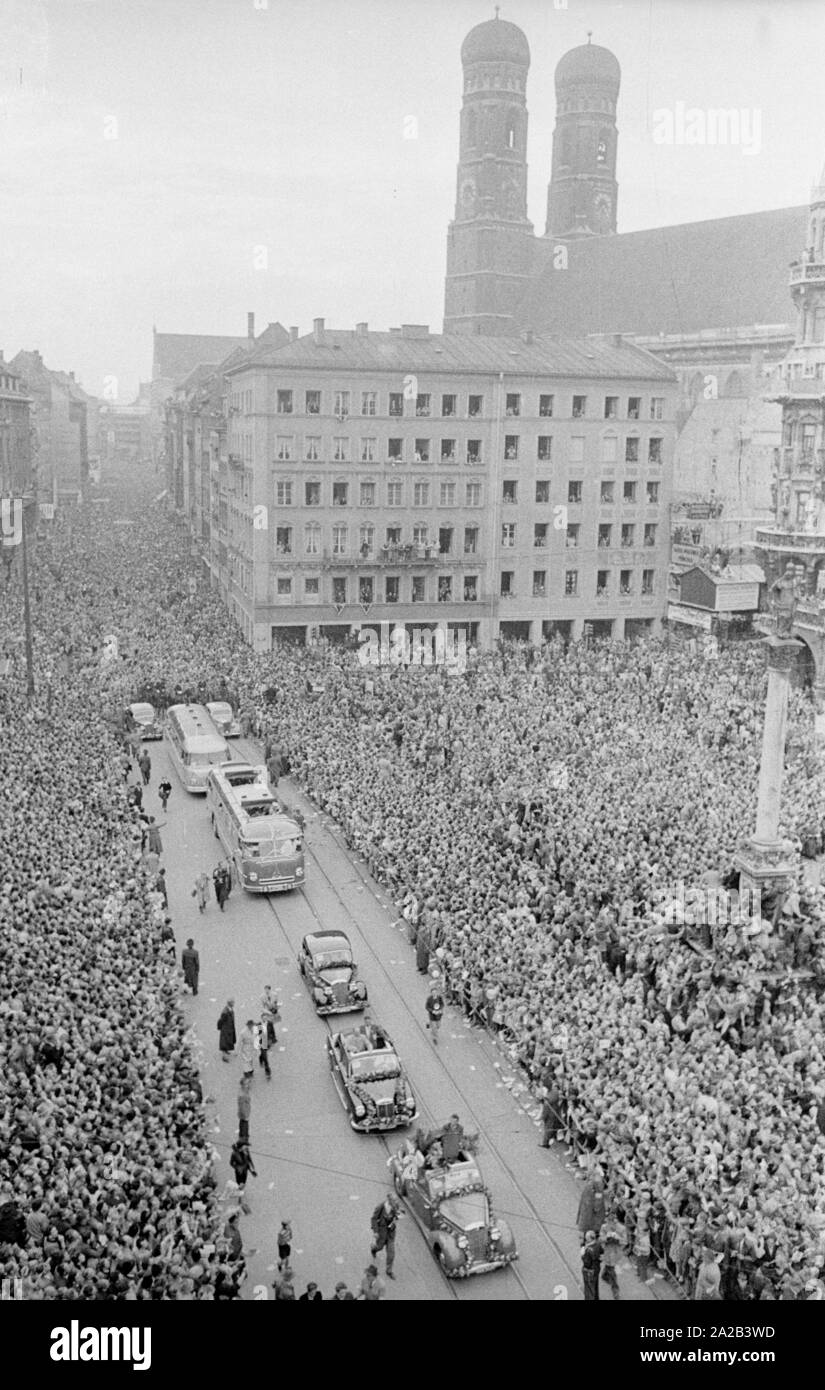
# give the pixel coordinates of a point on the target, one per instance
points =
(195, 745)
(266, 845)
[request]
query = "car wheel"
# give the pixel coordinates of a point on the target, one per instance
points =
(441, 1257)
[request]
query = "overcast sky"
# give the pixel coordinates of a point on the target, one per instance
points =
(150, 148)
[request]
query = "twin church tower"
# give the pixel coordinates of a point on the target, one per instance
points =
(491, 246)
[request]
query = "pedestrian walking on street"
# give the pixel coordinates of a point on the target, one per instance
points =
(591, 1263)
(220, 879)
(160, 886)
(164, 792)
(247, 1049)
(226, 1028)
(201, 891)
(244, 1110)
(191, 962)
(435, 1012)
(284, 1245)
(240, 1161)
(262, 1045)
(270, 1011)
(384, 1221)
(372, 1288)
(154, 843)
(145, 765)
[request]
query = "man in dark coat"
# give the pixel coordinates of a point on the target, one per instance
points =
(191, 962)
(384, 1221)
(226, 1029)
(591, 1264)
(422, 949)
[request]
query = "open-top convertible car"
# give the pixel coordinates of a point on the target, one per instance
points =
(142, 719)
(326, 963)
(370, 1080)
(452, 1206)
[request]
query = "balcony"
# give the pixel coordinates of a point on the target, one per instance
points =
(395, 557)
(804, 271)
(773, 538)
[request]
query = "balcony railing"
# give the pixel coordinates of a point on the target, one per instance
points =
(806, 270)
(397, 557)
(774, 538)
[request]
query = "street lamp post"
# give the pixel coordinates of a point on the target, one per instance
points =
(27, 613)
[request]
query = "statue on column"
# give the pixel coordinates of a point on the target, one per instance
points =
(782, 599)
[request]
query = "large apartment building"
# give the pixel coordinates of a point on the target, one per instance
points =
(507, 487)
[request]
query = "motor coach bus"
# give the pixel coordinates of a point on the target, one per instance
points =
(265, 844)
(195, 746)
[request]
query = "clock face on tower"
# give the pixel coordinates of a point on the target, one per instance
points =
(467, 196)
(602, 210)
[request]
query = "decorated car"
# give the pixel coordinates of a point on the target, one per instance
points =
(326, 963)
(143, 720)
(452, 1206)
(223, 717)
(372, 1085)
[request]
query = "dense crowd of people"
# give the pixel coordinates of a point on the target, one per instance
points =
(534, 817)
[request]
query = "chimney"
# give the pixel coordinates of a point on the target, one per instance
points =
(294, 333)
(318, 330)
(362, 330)
(250, 327)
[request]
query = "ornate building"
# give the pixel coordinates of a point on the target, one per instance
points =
(581, 199)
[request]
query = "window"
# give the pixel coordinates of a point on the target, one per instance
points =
(602, 582)
(395, 494)
(396, 403)
(546, 407)
(340, 449)
(475, 405)
(573, 532)
(393, 535)
(545, 447)
(422, 450)
(579, 407)
(512, 404)
(339, 540)
(422, 404)
(576, 448)
(631, 449)
(420, 534)
(543, 490)
(629, 492)
(574, 492)
(339, 591)
(474, 451)
(610, 446)
(369, 402)
(446, 495)
(445, 540)
(506, 588)
(284, 587)
(650, 533)
(366, 495)
(807, 441)
(395, 449)
(509, 490)
(341, 407)
(445, 588)
(312, 586)
(312, 494)
(313, 403)
(625, 582)
(540, 535)
(657, 407)
(418, 594)
(539, 583)
(312, 538)
(284, 406)
(391, 588)
(340, 494)
(611, 407)
(312, 448)
(653, 492)
(421, 494)
(472, 495)
(511, 446)
(605, 535)
(788, 430)
(283, 540)
(628, 533)
(654, 451)
(801, 505)
(448, 451)
(470, 540)
(286, 444)
(448, 405)
(368, 448)
(366, 588)
(634, 407)
(508, 535)
(648, 577)
(470, 588)
(283, 494)
(571, 583)
(607, 492)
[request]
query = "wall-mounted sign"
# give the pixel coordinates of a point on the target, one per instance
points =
(695, 617)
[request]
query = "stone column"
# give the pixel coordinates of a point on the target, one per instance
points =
(762, 860)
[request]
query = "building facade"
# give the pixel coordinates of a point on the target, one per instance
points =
(18, 466)
(65, 428)
(505, 488)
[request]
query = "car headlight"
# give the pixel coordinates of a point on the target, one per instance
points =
(299, 873)
(462, 1242)
(495, 1233)
(360, 1111)
(253, 877)
(320, 994)
(410, 1103)
(360, 989)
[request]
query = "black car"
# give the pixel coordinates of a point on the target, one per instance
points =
(371, 1083)
(326, 963)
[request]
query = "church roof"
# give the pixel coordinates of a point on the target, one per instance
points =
(496, 41)
(721, 274)
(588, 65)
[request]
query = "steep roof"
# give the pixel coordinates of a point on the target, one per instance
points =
(345, 349)
(724, 273)
(177, 354)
